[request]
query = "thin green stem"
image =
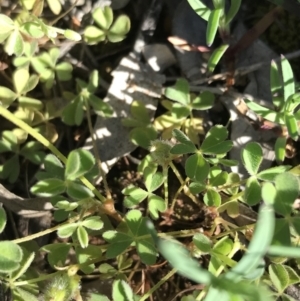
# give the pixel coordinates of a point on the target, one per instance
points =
(182, 182)
(166, 186)
(31, 131)
(95, 149)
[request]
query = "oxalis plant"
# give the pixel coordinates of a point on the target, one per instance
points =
(83, 211)
(242, 263)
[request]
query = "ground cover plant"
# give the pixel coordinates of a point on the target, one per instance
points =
(160, 225)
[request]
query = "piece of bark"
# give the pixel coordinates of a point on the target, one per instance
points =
(28, 208)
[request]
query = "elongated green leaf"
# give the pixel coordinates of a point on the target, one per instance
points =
(212, 26)
(284, 251)
(292, 125)
(270, 173)
(275, 80)
(280, 149)
(279, 277)
(233, 10)
(179, 257)
(83, 237)
(216, 57)
(288, 78)
(252, 156)
(265, 112)
(258, 246)
(2, 219)
(200, 8)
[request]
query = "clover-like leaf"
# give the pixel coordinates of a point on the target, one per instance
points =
(67, 230)
(196, 168)
(118, 243)
(152, 180)
(134, 195)
(287, 189)
(79, 162)
(185, 146)
(202, 242)
(10, 256)
(93, 223)
(49, 187)
(252, 194)
(252, 157)
(53, 168)
(212, 198)
(78, 191)
(204, 101)
(83, 236)
(179, 92)
(103, 17)
(214, 142)
(155, 205)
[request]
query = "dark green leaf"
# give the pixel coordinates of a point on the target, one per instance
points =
(270, 173)
(212, 198)
(252, 194)
(134, 196)
(216, 56)
(197, 187)
(214, 141)
(196, 168)
(202, 242)
(204, 101)
(118, 243)
(287, 188)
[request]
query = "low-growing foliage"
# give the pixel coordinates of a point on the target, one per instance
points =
(230, 262)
